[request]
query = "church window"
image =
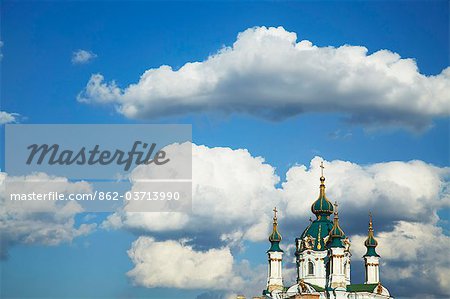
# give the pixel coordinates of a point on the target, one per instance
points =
(310, 268)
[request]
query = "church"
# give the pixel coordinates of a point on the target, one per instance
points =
(323, 260)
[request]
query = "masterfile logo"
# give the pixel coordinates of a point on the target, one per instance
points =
(105, 152)
(141, 167)
(52, 155)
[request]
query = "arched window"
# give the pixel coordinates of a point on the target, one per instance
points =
(310, 268)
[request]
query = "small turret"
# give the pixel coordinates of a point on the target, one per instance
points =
(370, 242)
(336, 233)
(275, 255)
(371, 258)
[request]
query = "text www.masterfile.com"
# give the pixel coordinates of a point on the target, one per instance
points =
(96, 195)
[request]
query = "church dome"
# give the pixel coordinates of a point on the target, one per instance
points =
(275, 236)
(370, 241)
(322, 206)
(337, 232)
(315, 235)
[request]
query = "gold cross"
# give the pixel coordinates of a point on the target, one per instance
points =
(275, 212)
(321, 166)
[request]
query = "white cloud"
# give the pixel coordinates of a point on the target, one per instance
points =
(174, 264)
(82, 56)
(222, 195)
(6, 118)
(269, 74)
(39, 222)
(382, 188)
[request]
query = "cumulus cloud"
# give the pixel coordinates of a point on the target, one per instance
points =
(232, 204)
(6, 118)
(267, 73)
(82, 56)
(420, 189)
(222, 194)
(174, 264)
(39, 222)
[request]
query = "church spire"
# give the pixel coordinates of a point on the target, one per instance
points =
(370, 242)
(275, 237)
(336, 233)
(322, 181)
(322, 206)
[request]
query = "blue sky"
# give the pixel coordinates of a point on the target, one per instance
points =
(41, 84)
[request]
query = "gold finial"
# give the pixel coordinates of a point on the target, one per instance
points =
(336, 215)
(275, 218)
(275, 214)
(322, 181)
(370, 222)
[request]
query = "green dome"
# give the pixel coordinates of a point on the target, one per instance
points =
(370, 241)
(322, 206)
(337, 232)
(317, 231)
(275, 236)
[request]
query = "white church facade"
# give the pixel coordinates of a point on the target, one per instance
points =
(323, 260)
